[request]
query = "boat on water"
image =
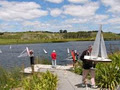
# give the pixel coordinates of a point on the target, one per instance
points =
(98, 46)
(24, 53)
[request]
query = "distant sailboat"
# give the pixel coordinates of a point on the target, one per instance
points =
(10, 47)
(0, 51)
(45, 51)
(98, 44)
(68, 51)
(24, 53)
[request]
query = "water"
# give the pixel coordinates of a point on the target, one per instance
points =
(9, 59)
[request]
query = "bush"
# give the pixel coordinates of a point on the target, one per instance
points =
(40, 81)
(108, 74)
(78, 68)
(14, 80)
(9, 79)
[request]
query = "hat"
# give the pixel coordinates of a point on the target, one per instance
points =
(53, 50)
(75, 51)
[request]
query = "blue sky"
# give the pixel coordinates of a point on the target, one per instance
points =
(54, 15)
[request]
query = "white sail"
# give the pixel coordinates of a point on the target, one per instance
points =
(44, 51)
(0, 51)
(10, 47)
(24, 53)
(68, 51)
(103, 48)
(96, 45)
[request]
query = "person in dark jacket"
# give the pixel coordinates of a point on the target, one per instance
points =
(88, 67)
(31, 60)
(54, 56)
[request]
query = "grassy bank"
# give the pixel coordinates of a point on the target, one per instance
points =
(44, 37)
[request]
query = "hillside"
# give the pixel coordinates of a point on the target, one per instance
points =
(40, 37)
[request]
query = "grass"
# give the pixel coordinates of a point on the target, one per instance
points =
(45, 61)
(14, 80)
(43, 37)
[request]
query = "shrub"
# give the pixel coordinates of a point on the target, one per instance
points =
(9, 79)
(15, 80)
(78, 68)
(108, 74)
(40, 81)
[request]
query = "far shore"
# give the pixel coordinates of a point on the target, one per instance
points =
(14, 41)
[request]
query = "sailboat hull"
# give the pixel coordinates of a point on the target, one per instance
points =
(98, 59)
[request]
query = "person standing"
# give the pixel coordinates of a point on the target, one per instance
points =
(73, 57)
(76, 56)
(31, 54)
(88, 67)
(54, 56)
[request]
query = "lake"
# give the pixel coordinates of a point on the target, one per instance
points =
(9, 57)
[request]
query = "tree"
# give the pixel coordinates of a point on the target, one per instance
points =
(65, 31)
(61, 31)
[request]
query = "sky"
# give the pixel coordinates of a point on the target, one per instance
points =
(55, 15)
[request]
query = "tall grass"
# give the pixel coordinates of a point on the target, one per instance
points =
(43, 81)
(42, 60)
(9, 79)
(15, 80)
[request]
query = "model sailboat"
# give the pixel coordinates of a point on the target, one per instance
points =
(45, 51)
(98, 44)
(24, 53)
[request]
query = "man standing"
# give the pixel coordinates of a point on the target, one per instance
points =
(88, 67)
(53, 56)
(73, 57)
(32, 60)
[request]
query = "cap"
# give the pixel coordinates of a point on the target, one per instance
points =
(53, 50)
(75, 51)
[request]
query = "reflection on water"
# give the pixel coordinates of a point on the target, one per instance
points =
(9, 59)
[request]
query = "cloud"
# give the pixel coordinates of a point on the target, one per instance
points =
(96, 19)
(35, 24)
(100, 19)
(55, 12)
(85, 10)
(113, 5)
(114, 20)
(20, 10)
(76, 20)
(78, 1)
(49, 26)
(55, 1)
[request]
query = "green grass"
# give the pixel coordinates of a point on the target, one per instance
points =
(43, 37)
(15, 80)
(108, 74)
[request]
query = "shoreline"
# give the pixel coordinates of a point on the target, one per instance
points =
(8, 42)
